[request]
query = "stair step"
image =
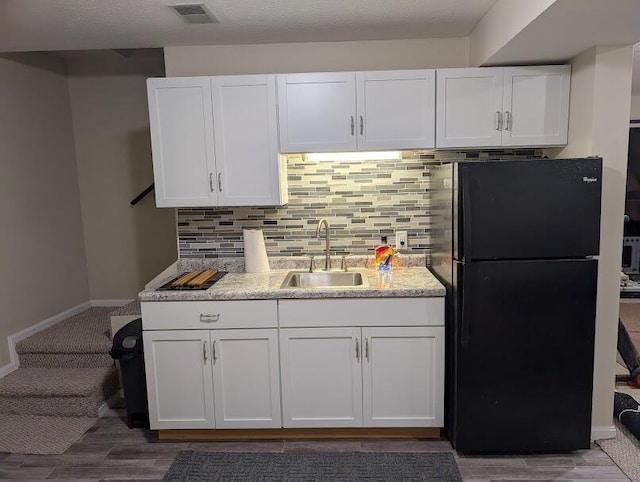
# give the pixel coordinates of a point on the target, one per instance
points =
(68, 393)
(52, 382)
(27, 434)
(65, 360)
(86, 332)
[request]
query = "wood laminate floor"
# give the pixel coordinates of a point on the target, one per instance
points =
(110, 451)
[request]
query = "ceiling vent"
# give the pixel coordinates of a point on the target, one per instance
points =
(194, 12)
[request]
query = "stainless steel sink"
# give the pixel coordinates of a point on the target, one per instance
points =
(324, 279)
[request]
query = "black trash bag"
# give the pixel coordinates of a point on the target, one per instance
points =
(627, 411)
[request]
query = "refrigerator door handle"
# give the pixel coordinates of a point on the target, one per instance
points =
(466, 216)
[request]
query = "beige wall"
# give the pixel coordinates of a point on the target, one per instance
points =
(501, 24)
(635, 107)
(312, 57)
(599, 125)
(126, 246)
(41, 246)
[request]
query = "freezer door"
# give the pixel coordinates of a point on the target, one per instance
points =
(524, 355)
(528, 209)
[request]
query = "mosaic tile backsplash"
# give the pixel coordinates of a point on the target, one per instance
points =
(363, 201)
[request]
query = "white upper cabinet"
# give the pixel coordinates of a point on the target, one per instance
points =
(181, 122)
(502, 106)
(317, 112)
(468, 107)
(215, 141)
(347, 111)
(535, 102)
(246, 141)
(396, 109)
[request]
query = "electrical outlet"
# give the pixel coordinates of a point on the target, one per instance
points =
(401, 240)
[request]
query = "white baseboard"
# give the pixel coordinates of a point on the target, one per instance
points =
(110, 303)
(602, 433)
(6, 369)
(105, 410)
(14, 363)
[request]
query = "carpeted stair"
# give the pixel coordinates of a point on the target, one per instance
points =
(65, 375)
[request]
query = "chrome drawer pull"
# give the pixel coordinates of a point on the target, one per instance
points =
(209, 318)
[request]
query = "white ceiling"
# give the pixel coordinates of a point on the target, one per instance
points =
(45, 25)
(566, 28)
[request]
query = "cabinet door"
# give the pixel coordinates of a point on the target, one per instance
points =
(536, 105)
(321, 377)
(403, 377)
(181, 122)
(179, 379)
(468, 107)
(317, 112)
(246, 378)
(246, 140)
(396, 109)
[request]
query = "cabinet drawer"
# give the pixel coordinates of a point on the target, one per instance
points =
(362, 312)
(198, 315)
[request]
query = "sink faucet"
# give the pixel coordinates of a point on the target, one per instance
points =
(327, 259)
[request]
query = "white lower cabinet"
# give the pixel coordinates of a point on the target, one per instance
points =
(354, 377)
(179, 379)
(295, 363)
(321, 377)
(246, 378)
(403, 377)
(213, 378)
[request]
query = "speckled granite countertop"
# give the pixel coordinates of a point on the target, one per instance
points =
(409, 278)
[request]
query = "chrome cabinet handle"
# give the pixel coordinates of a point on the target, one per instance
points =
(213, 351)
(204, 351)
(357, 350)
(352, 126)
(366, 348)
(507, 121)
(211, 181)
(361, 125)
(204, 318)
(220, 181)
(498, 120)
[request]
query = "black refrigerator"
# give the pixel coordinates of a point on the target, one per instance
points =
(515, 246)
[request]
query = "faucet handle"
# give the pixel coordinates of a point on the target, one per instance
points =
(343, 264)
(311, 264)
